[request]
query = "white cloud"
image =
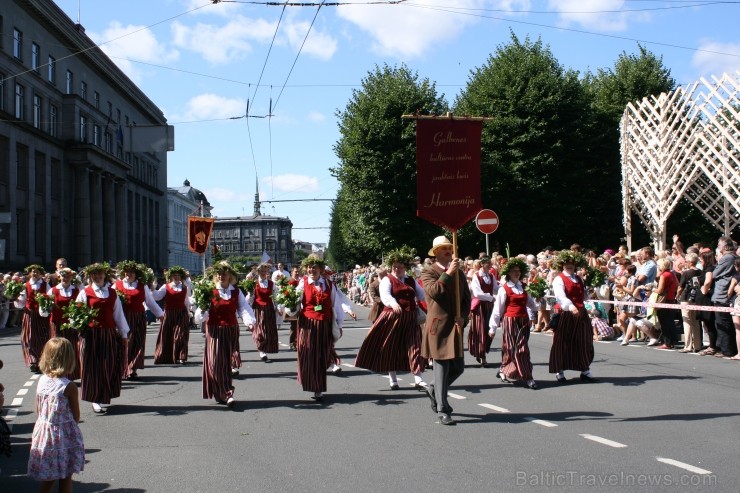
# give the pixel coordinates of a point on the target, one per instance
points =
(716, 64)
(135, 42)
(208, 105)
(225, 9)
(318, 44)
(216, 195)
(222, 44)
(599, 15)
(292, 183)
(316, 117)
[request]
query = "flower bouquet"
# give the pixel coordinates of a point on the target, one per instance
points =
(203, 293)
(121, 297)
(287, 296)
(46, 302)
(537, 288)
(247, 286)
(13, 289)
(595, 277)
(80, 317)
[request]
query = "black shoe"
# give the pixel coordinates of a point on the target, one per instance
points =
(430, 394)
(395, 387)
(317, 397)
(265, 359)
(34, 368)
(420, 387)
(181, 362)
(532, 385)
(588, 379)
(230, 402)
(502, 377)
(292, 347)
(133, 377)
(218, 401)
(446, 419)
(562, 380)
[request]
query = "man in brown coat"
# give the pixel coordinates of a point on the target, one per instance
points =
(442, 337)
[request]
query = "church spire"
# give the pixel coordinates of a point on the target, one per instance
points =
(257, 198)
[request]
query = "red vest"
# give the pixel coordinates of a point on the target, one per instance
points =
(312, 297)
(484, 286)
(573, 290)
(263, 296)
(516, 304)
(404, 293)
(105, 307)
(134, 297)
(223, 312)
(175, 300)
(31, 303)
(57, 314)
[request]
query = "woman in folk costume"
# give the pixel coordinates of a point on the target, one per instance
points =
(394, 341)
(513, 311)
(572, 343)
(132, 286)
(318, 307)
(174, 332)
(103, 344)
(335, 362)
(262, 301)
(64, 293)
(222, 322)
(35, 329)
(483, 288)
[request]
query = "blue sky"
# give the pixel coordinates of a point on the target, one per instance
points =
(201, 63)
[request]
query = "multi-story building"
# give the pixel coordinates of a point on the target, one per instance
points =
(78, 178)
(182, 202)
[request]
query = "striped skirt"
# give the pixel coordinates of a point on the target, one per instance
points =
(515, 360)
(236, 356)
(172, 341)
(35, 332)
(479, 342)
(393, 344)
(572, 343)
(136, 342)
(217, 383)
(102, 351)
(74, 337)
(265, 333)
(314, 344)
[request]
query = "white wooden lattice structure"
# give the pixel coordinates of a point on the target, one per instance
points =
(683, 145)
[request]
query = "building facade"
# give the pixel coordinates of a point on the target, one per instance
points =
(74, 180)
(182, 202)
(254, 235)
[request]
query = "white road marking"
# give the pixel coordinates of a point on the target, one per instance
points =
(494, 408)
(541, 422)
(22, 392)
(456, 396)
(35, 376)
(603, 441)
(28, 384)
(348, 365)
(17, 402)
(683, 465)
(12, 414)
(284, 345)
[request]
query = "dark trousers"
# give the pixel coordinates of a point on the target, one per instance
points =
(446, 372)
(666, 317)
(293, 330)
(726, 342)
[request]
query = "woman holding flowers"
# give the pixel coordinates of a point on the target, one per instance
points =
(572, 343)
(513, 311)
(394, 341)
(262, 301)
(134, 293)
(318, 308)
(174, 332)
(103, 339)
(35, 329)
(483, 288)
(220, 305)
(62, 294)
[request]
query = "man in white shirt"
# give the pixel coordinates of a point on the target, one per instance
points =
(280, 272)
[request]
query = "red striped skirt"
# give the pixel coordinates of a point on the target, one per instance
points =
(479, 342)
(172, 341)
(102, 352)
(217, 383)
(265, 333)
(236, 356)
(515, 359)
(572, 343)
(74, 337)
(393, 344)
(314, 343)
(136, 342)
(35, 332)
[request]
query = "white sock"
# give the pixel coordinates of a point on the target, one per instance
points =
(392, 377)
(417, 378)
(262, 354)
(560, 374)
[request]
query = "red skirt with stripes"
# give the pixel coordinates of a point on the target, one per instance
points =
(572, 343)
(35, 332)
(515, 360)
(393, 344)
(172, 341)
(479, 342)
(314, 345)
(74, 337)
(217, 383)
(102, 352)
(236, 356)
(136, 342)
(265, 333)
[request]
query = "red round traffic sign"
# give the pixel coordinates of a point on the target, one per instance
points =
(486, 221)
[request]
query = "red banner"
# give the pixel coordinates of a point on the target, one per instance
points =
(448, 171)
(199, 233)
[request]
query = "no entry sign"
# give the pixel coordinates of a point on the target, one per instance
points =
(486, 221)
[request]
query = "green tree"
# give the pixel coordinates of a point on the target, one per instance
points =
(375, 209)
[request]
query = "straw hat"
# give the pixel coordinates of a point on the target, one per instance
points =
(438, 242)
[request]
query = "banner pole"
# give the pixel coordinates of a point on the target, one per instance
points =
(203, 255)
(458, 328)
(488, 250)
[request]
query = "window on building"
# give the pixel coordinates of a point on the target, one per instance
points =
(2, 91)
(21, 164)
(83, 128)
(83, 90)
(70, 82)
(35, 56)
(52, 69)
(56, 179)
(21, 232)
(96, 135)
(17, 44)
(20, 94)
(108, 142)
(40, 173)
(96, 99)
(40, 234)
(53, 120)
(37, 111)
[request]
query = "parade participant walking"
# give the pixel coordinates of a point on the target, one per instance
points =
(103, 343)
(35, 329)
(319, 307)
(442, 336)
(262, 301)
(394, 341)
(222, 322)
(174, 332)
(513, 311)
(64, 293)
(295, 278)
(483, 288)
(572, 343)
(57, 449)
(133, 288)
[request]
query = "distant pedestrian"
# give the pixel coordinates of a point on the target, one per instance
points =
(35, 329)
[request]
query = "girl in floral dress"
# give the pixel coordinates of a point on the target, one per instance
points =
(57, 450)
